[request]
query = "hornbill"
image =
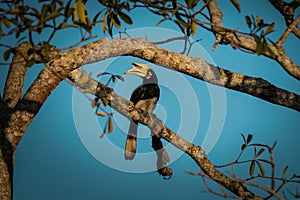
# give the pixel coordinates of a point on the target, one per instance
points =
(144, 97)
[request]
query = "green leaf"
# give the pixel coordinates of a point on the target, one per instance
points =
(253, 21)
(96, 16)
(244, 138)
(268, 49)
(6, 22)
(103, 23)
(104, 101)
(259, 48)
(181, 22)
(70, 12)
(258, 20)
(7, 54)
(259, 152)
(248, 21)
(67, 9)
(52, 15)
(255, 151)
(102, 73)
(100, 113)
(46, 47)
(110, 125)
(261, 168)
(14, 11)
(125, 17)
(284, 171)
(266, 161)
(243, 146)
(29, 63)
(259, 45)
(109, 24)
(270, 29)
(252, 168)
(249, 138)
(80, 11)
(115, 20)
(191, 3)
(120, 77)
(95, 102)
(104, 131)
(236, 5)
(193, 27)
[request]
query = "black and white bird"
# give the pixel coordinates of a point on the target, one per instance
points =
(144, 97)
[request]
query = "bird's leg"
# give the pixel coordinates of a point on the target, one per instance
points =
(162, 158)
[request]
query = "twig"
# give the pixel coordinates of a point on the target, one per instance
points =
(270, 191)
(77, 43)
(169, 40)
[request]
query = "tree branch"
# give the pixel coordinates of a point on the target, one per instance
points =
(127, 109)
(248, 43)
(15, 77)
(62, 63)
(196, 68)
(290, 28)
(288, 11)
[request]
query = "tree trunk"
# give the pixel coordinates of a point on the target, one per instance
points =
(6, 156)
(6, 172)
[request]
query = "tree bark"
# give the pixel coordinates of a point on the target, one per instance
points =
(6, 157)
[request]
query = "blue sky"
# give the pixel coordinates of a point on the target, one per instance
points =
(61, 157)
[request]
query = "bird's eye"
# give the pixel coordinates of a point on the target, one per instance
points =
(136, 65)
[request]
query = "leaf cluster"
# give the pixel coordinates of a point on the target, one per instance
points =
(109, 125)
(255, 161)
(260, 30)
(113, 77)
(114, 12)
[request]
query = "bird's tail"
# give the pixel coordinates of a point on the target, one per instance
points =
(130, 147)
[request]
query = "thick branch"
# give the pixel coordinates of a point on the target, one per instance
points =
(196, 68)
(59, 66)
(6, 155)
(15, 77)
(12, 94)
(127, 109)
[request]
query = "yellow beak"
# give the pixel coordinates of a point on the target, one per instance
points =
(138, 69)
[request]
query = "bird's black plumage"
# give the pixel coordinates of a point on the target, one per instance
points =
(146, 91)
(144, 97)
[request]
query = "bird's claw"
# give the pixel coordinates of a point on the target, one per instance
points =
(166, 172)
